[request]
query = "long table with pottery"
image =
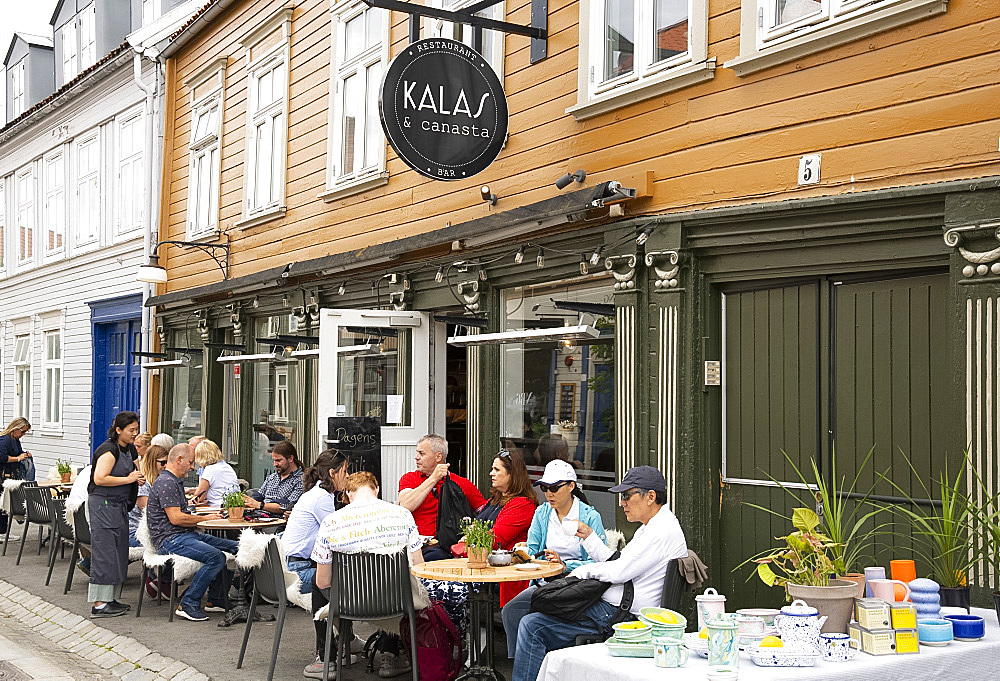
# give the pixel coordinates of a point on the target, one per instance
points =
(968, 661)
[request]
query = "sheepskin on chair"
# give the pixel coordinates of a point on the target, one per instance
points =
(184, 568)
(253, 546)
(615, 540)
(7, 486)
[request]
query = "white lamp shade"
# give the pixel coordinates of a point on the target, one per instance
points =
(151, 274)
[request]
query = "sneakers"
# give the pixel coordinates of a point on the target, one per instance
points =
(315, 670)
(113, 609)
(152, 588)
(122, 605)
(357, 646)
(212, 607)
(393, 665)
(189, 613)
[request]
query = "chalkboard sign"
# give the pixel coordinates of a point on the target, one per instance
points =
(359, 438)
(567, 398)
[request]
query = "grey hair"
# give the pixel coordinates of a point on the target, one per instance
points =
(163, 440)
(438, 444)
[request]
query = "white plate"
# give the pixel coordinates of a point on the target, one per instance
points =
(528, 567)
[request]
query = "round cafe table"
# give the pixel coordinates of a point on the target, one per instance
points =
(482, 601)
(221, 527)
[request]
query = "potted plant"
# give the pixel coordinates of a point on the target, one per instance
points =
(65, 470)
(478, 537)
(234, 503)
(804, 565)
(943, 535)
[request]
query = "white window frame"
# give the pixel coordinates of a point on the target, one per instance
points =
(88, 36)
(205, 151)
(70, 53)
(21, 360)
(763, 45)
(52, 399)
(280, 394)
(24, 214)
(360, 178)
(272, 117)
(645, 81)
(439, 28)
(130, 190)
(151, 11)
(54, 214)
(18, 94)
(87, 186)
(3, 233)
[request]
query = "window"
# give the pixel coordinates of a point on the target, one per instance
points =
(131, 179)
(789, 29)
(88, 42)
(88, 199)
(17, 91)
(493, 41)
(52, 372)
(182, 399)
(632, 50)
(151, 11)
(279, 400)
(22, 375)
(205, 158)
(54, 216)
(25, 204)
(69, 52)
(3, 232)
(357, 153)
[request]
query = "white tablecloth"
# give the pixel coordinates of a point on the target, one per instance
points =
(958, 660)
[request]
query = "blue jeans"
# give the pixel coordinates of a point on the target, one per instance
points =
(211, 577)
(306, 572)
(538, 634)
(132, 541)
(513, 613)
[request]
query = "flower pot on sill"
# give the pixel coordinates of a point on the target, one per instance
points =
(235, 513)
(65, 476)
(956, 597)
(478, 557)
(836, 601)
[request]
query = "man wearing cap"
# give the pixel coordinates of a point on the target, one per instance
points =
(643, 562)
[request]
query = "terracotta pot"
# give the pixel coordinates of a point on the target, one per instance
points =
(235, 512)
(836, 602)
(65, 476)
(858, 579)
(478, 557)
(956, 597)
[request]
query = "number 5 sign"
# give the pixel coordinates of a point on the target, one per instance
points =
(809, 169)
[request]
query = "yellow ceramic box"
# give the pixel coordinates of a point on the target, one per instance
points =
(904, 616)
(872, 613)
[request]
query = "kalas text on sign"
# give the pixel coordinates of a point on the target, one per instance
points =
(443, 109)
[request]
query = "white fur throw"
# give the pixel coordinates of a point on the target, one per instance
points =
(70, 511)
(184, 568)
(615, 540)
(7, 486)
(253, 545)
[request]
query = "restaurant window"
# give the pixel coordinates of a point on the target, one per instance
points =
(88, 195)
(54, 215)
(374, 374)
(182, 403)
(52, 368)
(22, 375)
(557, 394)
(360, 56)
(25, 215)
(130, 176)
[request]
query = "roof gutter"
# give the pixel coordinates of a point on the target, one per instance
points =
(189, 32)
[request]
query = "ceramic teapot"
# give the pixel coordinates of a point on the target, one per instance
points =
(799, 622)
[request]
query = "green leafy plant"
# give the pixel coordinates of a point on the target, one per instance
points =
(943, 534)
(804, 559)
(233, 499)
(477, 534)
(64, 467)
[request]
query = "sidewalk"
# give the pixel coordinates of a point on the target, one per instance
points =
(24, 656)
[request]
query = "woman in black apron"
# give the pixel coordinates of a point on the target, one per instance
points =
(114, 481)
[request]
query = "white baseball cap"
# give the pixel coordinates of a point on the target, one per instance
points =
(557, 470)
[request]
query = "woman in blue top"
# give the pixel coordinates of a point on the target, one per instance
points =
(555, 530)
(14, 461)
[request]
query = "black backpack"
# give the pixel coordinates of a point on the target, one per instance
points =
(452, 507)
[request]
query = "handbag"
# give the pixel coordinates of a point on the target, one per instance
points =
(452, 507)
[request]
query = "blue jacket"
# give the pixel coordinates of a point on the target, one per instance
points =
(539, 529)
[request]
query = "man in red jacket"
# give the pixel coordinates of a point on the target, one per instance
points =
(418, 490)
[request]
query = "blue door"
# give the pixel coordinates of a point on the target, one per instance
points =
(116, 333)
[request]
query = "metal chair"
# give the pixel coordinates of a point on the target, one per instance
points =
(61, 532)
(17, 511)
(81, 537)
(268, 584)
(368, 586)
(36, 511)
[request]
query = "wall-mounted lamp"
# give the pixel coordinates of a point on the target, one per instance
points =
(567, 179)
(488, 196)
(584, 267)
(153, 273)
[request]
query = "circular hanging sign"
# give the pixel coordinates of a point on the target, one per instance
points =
(443, 109)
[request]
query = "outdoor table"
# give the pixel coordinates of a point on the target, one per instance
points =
(223, 526)
(481, 602)
(968, 661)
(62, 489)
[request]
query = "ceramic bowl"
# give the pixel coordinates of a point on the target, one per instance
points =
(650, 617)
(627, 631)
(967, 627)
(697, 645)
(766, 614)
(934, 632)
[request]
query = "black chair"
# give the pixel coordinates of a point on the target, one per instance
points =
(81, 537)
(670, 597)
(37, 512)
(17, 511)
(368, 586)
(268, 584)
(61, 532)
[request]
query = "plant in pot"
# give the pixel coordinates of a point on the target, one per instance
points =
(65, 470)
(942, 530)
(478, 537)
(804, 565)
(234, 503)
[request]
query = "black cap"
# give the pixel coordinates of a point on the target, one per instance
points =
(644, 477)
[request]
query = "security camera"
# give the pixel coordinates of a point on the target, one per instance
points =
(488, 196)
(565, 180)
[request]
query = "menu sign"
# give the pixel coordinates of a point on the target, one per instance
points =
(359, 438)
(443, 109)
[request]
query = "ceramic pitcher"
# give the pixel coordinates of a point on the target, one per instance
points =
(799, 622)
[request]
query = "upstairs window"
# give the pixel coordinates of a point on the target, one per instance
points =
(203, 185)
(88, 40)
(151, 11)
(70, 55)
(88, 196)
(24, 199)
(3, 232)
(55, 202)
(131, 178)
(17, 89)
(22, 375)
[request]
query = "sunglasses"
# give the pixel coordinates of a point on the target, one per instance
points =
(553, 487)
(627, 494)
(162, 462)
(503, 454)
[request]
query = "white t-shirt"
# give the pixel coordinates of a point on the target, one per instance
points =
(78, 492)
(568, 547)
(303, 524)
(374, 526)
(221, 479)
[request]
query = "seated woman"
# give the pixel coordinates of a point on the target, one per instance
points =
(217, 476)
(555, 528)
(150, 464)
(323, 482)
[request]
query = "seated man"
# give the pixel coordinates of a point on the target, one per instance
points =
(366, 524)
(282, 488)
(171, 527)
(418, 490)
(643, 561)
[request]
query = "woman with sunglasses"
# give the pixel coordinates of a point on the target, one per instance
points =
(556, 529)
(151, 465)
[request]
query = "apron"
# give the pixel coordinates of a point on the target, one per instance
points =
(108, 507)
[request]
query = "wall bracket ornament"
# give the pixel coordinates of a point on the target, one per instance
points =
(469, 292)
(666, 267)
(981, 263)
(623, 269)
(237, 321)
(399, 292)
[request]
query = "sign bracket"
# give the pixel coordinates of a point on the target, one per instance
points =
(537, 30)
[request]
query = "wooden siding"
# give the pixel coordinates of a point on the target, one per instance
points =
(908, 106)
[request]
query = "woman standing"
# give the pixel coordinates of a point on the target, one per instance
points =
(113, 489)
(14, 461)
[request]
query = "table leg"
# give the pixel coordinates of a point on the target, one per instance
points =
(240, 610)
(481, 597)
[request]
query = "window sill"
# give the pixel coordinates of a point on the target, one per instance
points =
(832, 35)
(355, 187)
(261, 218)
(50, 431)
(670, 80)
(210, 235)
